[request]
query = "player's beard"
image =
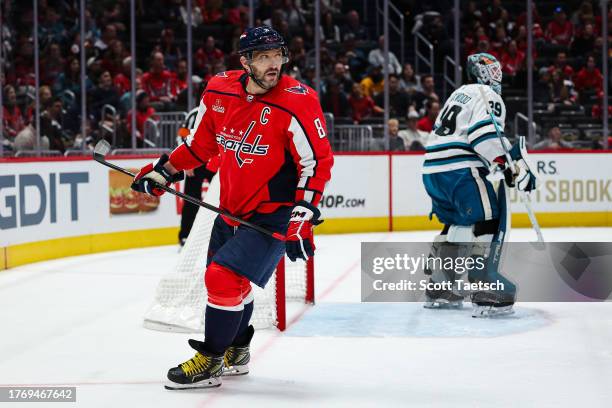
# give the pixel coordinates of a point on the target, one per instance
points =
(265, 77)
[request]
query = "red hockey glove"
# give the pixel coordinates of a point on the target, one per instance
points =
(155, 172)
(299, 243)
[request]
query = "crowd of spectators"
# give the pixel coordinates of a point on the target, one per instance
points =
(351, 87)
(567, 50)
(161, 74)
(351, 62)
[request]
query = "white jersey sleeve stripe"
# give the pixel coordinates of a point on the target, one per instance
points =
(196, 122)
(304, 150)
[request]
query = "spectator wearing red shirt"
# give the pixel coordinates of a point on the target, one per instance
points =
(500, 42)
(361, 105)
(560, 31)
(144, 111)
(180, 81)
(512, 60)
(589, 77)
(207, 56)
(521, 39)
(538, 33)
(426, 123)
(212, 12)
(598, 22)
(471, 42)
(11, 114)
(122, 80)
(157, 83)
(562, 65)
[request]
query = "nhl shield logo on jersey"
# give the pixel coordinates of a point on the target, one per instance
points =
(298, 89)
(222, 74)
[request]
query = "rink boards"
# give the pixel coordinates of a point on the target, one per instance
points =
(370, 192)
(61, 207)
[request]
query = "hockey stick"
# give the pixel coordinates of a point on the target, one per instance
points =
(524, 197)
(103, 147)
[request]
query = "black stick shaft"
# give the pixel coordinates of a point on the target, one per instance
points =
(100, 159)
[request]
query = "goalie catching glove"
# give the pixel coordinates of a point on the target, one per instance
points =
(299, 242)
(523, 177)
(157, 173)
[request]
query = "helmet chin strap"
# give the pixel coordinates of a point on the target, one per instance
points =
(257, 81)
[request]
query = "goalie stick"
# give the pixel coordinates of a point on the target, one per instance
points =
(524, 197)
(103, 147)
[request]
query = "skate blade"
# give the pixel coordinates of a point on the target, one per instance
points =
(491, 311)
(442, 304)
(210, 383)
(236, 370)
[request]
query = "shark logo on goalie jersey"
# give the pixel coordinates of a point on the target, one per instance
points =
(230, 141)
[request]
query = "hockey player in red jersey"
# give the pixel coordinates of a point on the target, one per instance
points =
(275, 161)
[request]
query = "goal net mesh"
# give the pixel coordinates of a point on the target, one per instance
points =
(180, 299)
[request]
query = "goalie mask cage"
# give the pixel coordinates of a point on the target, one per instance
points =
(180, 299)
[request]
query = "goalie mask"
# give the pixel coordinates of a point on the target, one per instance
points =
(485, 69)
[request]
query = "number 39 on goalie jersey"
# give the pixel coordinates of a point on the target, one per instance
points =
(464, 134)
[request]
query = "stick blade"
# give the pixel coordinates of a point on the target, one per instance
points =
(102, 148)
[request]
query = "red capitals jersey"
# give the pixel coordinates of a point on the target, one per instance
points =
(273, 147)
(158, 85)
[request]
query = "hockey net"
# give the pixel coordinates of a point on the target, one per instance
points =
(180, 299)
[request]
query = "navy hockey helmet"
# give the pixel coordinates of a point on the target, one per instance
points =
(262, 38)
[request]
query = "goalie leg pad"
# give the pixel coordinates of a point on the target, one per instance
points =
(491, 238)
(442, 298)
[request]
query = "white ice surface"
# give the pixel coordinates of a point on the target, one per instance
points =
(77, 321)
